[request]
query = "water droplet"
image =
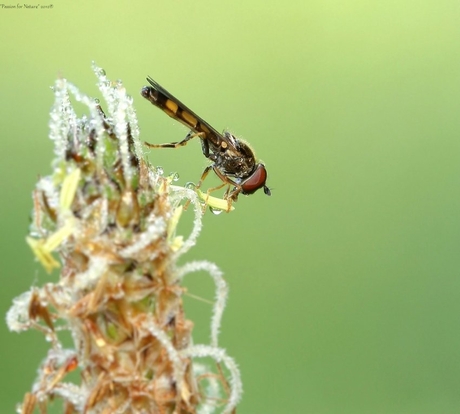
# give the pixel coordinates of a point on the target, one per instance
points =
(101, 72)
(174, 176)
(190, 185)
(215, 211)
(96, 101)
(159, 170)
(55, 116)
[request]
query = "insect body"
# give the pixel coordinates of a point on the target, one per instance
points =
(233, 160)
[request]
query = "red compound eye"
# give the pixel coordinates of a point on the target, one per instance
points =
(255, 181)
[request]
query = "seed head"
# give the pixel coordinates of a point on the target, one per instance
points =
(107, 220)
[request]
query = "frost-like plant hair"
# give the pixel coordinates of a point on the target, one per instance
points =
(107, 219)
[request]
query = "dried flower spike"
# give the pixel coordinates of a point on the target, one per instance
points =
(111, 219)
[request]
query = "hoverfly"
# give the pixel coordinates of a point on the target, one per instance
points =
(233, 160)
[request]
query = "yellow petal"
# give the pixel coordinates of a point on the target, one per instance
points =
(69, 188)
(214, 202)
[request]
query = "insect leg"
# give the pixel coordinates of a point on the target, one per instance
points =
(189, 136)
(230, 196)
(226, 179)
(210, 190)
(233, 195)
(204, 175)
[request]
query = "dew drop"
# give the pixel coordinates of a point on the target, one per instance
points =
(190, 185)
(101, 72)
(55, 116)
(215, 211)
(96, 101)
(160, 170)
(174, 176)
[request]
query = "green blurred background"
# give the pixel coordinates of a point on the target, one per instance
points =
(344, 285)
